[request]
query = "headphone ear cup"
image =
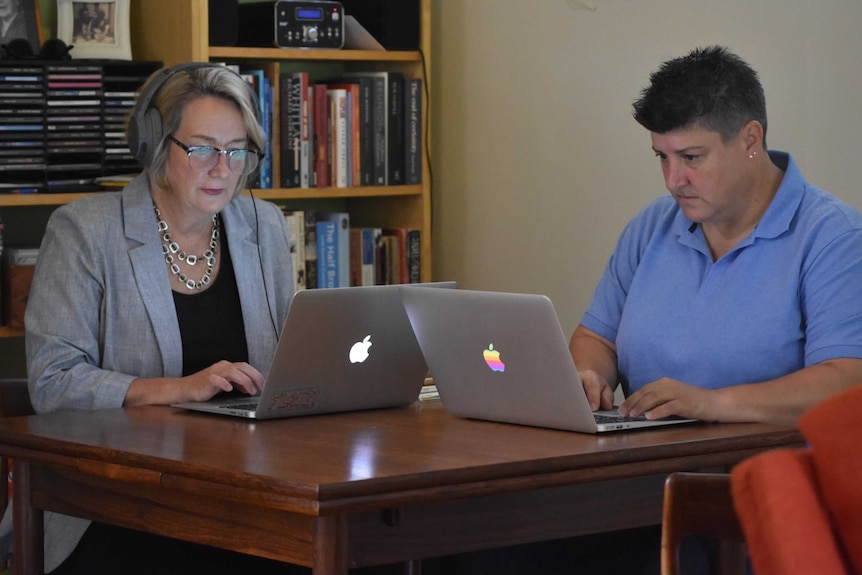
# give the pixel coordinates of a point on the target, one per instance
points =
(145, 133)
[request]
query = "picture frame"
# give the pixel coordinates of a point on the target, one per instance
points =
(95, 29)
(20, 19)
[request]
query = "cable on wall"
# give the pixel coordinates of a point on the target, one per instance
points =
(425, 134)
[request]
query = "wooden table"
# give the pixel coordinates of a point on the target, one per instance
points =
(338, 491)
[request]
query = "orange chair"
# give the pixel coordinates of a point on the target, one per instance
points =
(803, 509)
(786, 522)
(798, 510)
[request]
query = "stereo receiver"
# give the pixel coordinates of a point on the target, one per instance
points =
(292, 24)
(309, 24)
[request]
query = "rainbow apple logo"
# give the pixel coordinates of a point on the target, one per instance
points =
(492, 358)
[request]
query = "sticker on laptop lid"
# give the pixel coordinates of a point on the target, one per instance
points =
(492, 358)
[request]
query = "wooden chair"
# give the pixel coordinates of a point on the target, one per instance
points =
(701, 504)
(14, 401)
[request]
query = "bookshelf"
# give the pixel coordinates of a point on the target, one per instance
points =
(174, 31)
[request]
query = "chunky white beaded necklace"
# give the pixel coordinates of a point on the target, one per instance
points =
(172, 250)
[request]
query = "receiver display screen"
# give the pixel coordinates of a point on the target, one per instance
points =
(309, 14)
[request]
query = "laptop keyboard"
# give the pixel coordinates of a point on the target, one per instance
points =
(617, 418)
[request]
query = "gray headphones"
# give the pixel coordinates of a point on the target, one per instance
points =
(145, 123)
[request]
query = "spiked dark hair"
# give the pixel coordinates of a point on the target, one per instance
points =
(710, 88)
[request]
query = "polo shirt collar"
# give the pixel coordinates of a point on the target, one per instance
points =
(778, 216)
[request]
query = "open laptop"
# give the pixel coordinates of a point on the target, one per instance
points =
(504, 357)
(341, 349)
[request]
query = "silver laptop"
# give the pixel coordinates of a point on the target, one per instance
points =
(341, 349)
(504, 357)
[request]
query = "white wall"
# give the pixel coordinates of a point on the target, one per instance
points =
(537, 161)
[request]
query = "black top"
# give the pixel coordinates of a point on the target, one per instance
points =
(211, 323)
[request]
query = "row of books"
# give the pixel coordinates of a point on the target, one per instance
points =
(263, 88)
(326, 252)
(62, 124)
(362, 129)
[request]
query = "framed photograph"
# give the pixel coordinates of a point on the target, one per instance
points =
(20, 19)
(95, 29)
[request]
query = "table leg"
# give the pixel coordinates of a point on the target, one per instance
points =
(330, 546)
(28, 538)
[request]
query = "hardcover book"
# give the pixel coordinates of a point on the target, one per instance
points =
(311, 276)
(413, 131)
(327, 255)
(354, 129)
(379, 123)
(263, 89)
(364, 246)
(295, 220)
(397, 255)
(414, 256)
(340, 147)
(333, 249)
(322, 138)
(290, 118)
(395, 131)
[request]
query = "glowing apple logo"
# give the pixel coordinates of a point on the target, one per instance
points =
(359, 350)
(492, 358)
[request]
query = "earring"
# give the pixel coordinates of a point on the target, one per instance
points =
(751, 155)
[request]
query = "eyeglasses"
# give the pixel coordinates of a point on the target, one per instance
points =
(205, 158)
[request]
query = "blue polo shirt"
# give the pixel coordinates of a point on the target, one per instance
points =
(786, 297)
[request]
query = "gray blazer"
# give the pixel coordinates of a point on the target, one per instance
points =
(101, 313)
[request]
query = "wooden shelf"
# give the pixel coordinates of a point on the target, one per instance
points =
(281, 54)
(11, 332)
(38, 199)
(268, 194)
(324, 193)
